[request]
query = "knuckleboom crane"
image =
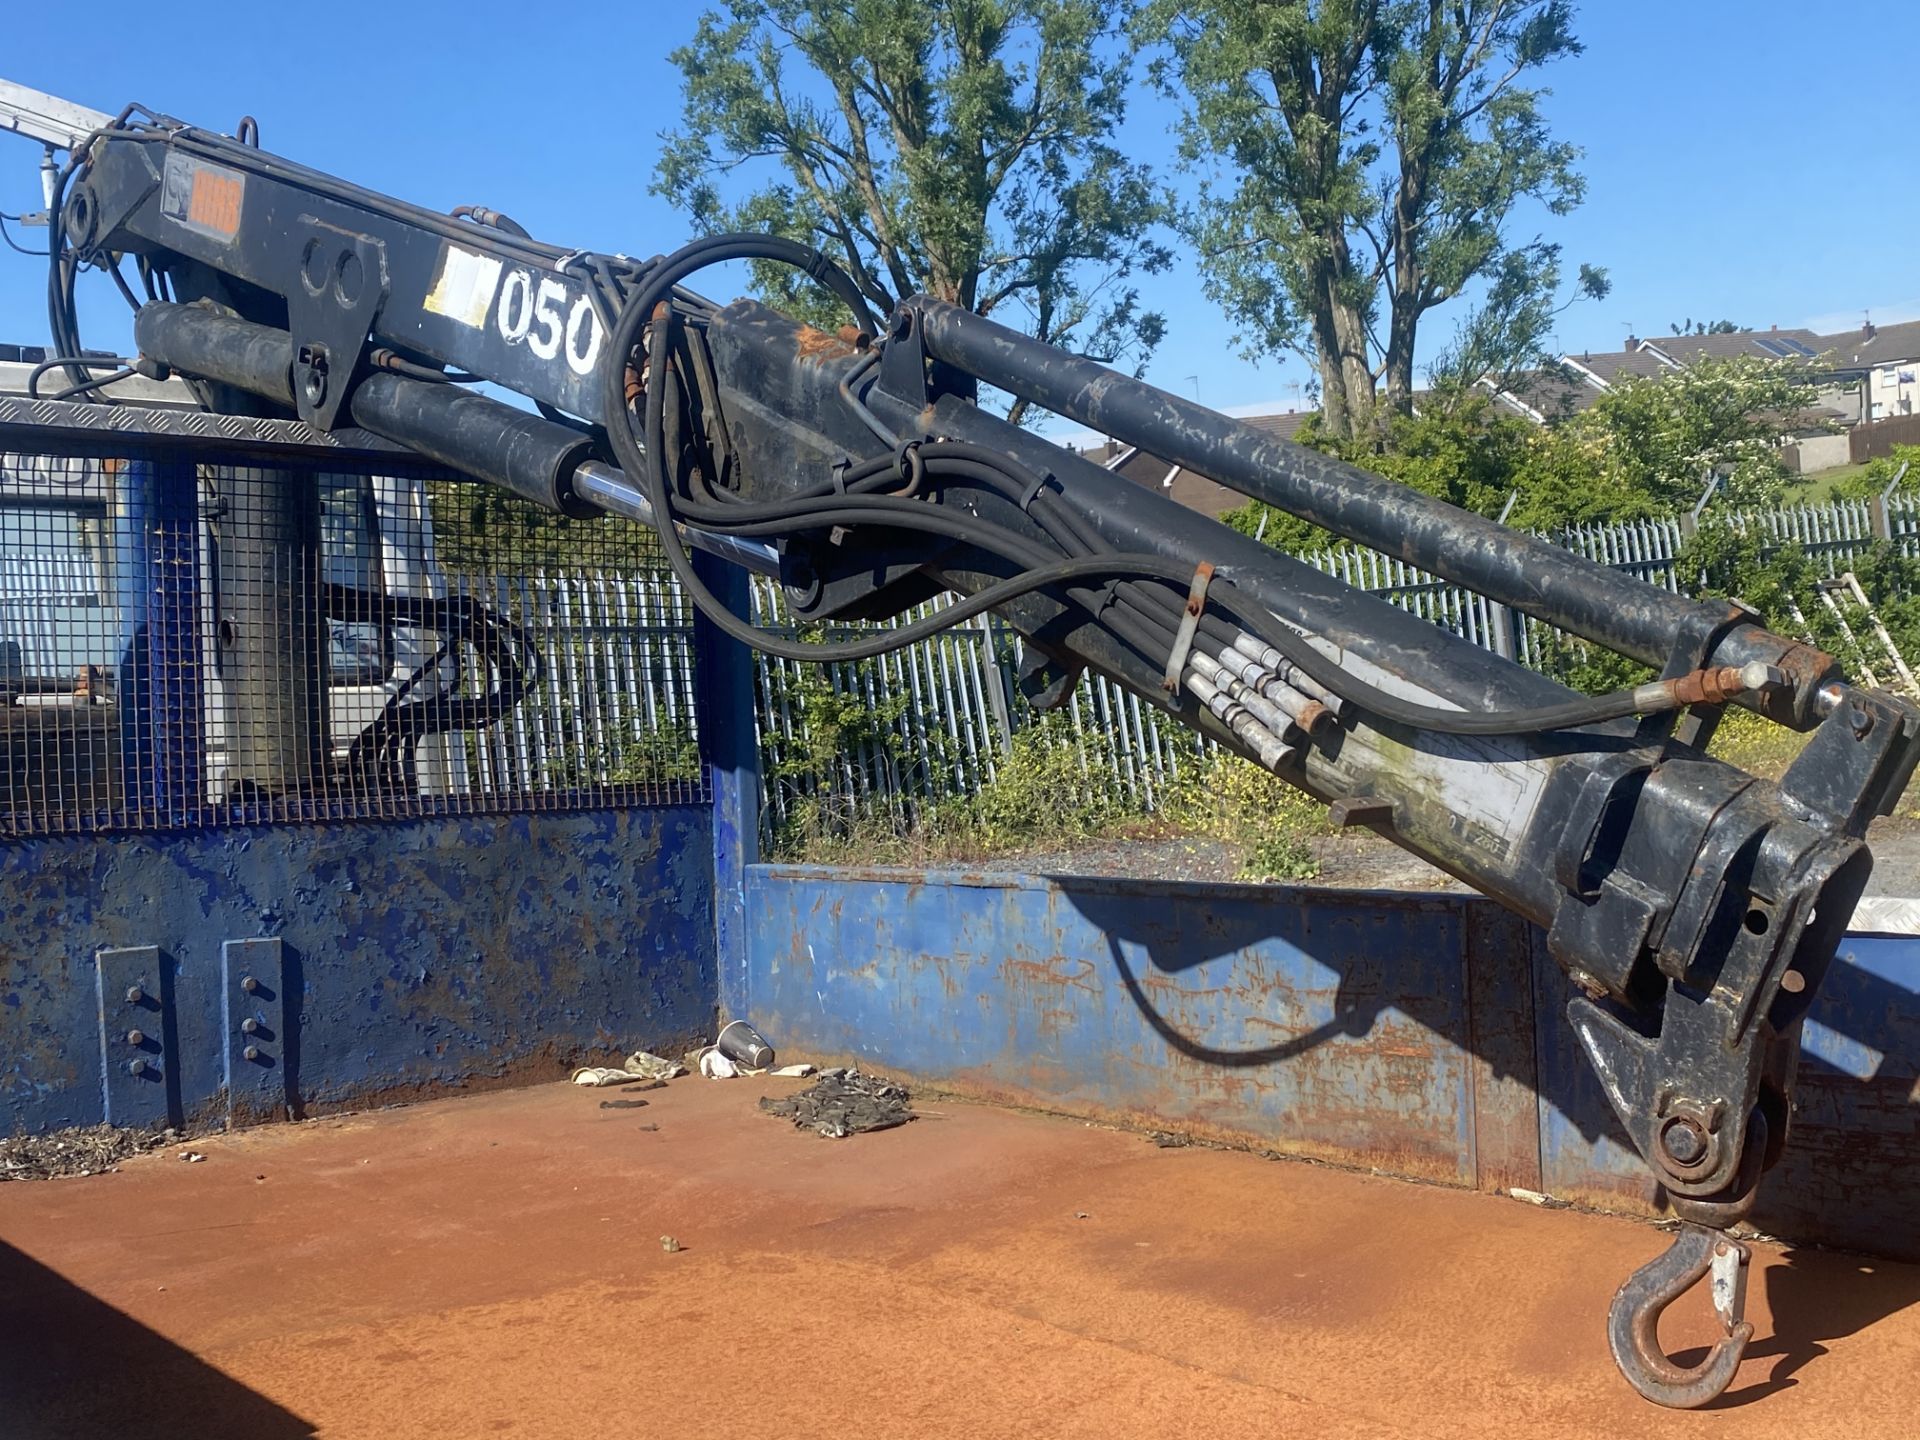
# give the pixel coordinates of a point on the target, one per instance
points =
(1694, 907)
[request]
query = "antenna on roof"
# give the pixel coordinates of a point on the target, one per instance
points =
(1195, 379)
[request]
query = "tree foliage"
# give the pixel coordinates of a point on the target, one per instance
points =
(1876, 475)
(956, 148)
(1645, 448)
(1363, 164)
(1661, 437)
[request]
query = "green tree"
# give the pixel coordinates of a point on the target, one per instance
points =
(1367, 159)
(1645, 448)
(1874, 477)
(1470, 454)
(956, 148)
(1708, 327)
(1659, 437)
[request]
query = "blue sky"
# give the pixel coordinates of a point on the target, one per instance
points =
(1745, 160)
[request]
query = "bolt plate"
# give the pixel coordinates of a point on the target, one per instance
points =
(256, 1086)
(149, 1099)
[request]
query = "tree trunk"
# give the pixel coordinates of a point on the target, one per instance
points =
(1398, 374)
(1335, 418)
(1353, 361)
(1340, 338)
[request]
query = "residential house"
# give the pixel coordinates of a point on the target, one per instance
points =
(1816, 439)
(1883, 363)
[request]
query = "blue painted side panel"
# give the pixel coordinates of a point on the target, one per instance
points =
(1329, 1024)
(1364, 1027)
(415, 955)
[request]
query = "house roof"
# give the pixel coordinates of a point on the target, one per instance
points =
(1283, 426)
(1887, 344)
(1771, 344)
(1607, 366)
(1553, 392)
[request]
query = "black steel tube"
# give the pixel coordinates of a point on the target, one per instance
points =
(212, 346)
(523, 453)
(1551, 584)
(484, 438)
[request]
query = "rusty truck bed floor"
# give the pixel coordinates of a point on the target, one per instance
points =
(493, 1266)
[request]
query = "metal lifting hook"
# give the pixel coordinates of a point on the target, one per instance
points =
(1634, 1317)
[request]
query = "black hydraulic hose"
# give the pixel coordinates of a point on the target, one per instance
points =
(15, 244)
(113, 377)
(652, 470)
(82, 381)
(650, 465)
(686, 261)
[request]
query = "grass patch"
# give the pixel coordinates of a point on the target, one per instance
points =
(1820, 487)
(1755, 744)
(1044, 797)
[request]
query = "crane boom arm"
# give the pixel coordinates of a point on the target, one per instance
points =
(1694, 907)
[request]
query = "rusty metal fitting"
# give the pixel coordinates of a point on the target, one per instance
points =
(1684, 1145)
(1715, 685)
(1313, 717)
(1688, 1140)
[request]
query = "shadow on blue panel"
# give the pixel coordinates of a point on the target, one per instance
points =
(1147, 939)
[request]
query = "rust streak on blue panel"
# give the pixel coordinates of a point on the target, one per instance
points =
(1326, 1025)
(1422, 1034)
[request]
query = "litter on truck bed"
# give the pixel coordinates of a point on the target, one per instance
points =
(844, 1102)
(649, 1066)
(597, 1075)
(94, 1150)
(642, 1069)
(738, 1049)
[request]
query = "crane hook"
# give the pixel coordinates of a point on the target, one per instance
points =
(1634, 1318)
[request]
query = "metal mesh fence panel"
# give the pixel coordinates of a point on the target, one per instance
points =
(195, 641)
(892, 736)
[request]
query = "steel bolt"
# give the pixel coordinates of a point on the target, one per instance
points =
(249, 1026)
(137, 1066)
(1793, 982)
(252, 1052)
(249, 984)
(135, 995)
(1684, 1141)
(136, 1037)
